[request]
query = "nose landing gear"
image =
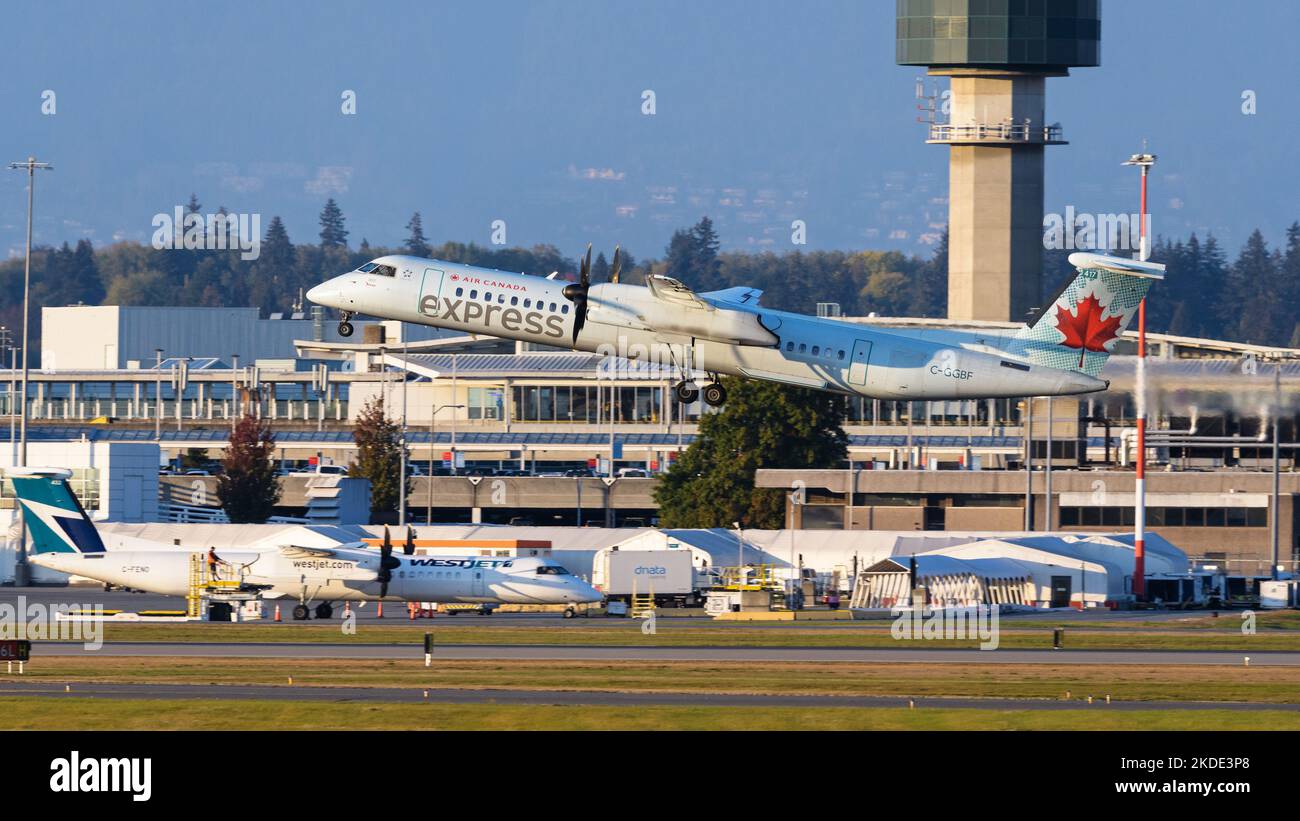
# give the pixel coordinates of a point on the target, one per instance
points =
(345, 326)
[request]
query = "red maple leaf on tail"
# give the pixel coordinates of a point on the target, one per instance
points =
(1085, 329)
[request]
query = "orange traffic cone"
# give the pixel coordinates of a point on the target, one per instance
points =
(277, 612)
(380, 614)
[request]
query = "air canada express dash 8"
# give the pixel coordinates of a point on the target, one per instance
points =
(731, 332)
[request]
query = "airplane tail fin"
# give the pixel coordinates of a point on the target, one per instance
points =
(1078, 330)
(57, 521)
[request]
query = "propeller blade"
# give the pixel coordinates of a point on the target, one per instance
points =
(387, 546)
(383, 590)
(617, 266)
(409, 547)
(584, 273)
(579, 317)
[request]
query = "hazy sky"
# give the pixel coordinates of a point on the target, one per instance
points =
(531, 113)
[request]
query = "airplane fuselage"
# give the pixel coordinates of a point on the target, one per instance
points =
(730, 337)
(473, 579)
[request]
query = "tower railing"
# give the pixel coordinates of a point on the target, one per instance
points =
(1004, 132)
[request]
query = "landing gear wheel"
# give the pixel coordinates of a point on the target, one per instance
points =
(301, 613)
(324, 611)
(714, 394)
(569, 613)
(345, 329)
(686, 392)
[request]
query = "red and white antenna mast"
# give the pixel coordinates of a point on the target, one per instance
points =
(1143, 161)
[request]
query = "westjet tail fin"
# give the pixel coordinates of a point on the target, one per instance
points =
(1077, 332)
(57, 521)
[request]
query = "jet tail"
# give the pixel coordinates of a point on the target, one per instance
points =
(52, 513)
(1078, 330)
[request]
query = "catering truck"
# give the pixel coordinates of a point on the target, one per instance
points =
(668, 575)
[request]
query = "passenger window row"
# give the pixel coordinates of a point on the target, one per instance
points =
(817, 351)
(562, 307)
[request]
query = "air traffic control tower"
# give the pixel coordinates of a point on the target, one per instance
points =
(999, 54)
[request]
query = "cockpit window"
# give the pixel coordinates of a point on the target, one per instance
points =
(384, 271)
(551, 570)
(367, 268)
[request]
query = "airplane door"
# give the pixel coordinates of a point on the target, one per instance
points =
(480, 587)
(858, 364)
(430, 292)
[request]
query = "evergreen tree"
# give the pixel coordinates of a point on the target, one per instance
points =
(248, 487)
(332, 232)
(928, 292)
(762, 425)
(1289, 276)
(706, 251)
(277, 251)
(681, 255)
(416, 245)
(600, 269)
(379, 455)
(1247, 303)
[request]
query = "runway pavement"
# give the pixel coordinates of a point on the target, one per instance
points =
(415, 650)
(395, 695)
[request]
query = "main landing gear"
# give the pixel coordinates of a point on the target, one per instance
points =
(686, 391)
(713, 393)
(345, 326)
(302, 612)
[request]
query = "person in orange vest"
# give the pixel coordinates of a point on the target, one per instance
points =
(213, 561)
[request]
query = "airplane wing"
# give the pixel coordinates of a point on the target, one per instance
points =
(298, 552)
(673, 291)
(740, 295)
(680, 312)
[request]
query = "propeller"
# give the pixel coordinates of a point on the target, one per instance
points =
(576, 292)
(409, 547)
(617, 266)
(386, 564)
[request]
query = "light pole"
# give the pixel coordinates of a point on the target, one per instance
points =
(157, 396)
(401, 497)
(1143, 161)
(1277, 468)
(29, 165)
(428, 494)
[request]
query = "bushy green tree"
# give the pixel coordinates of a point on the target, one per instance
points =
(379, 456)
(248, 487)
(762, 425)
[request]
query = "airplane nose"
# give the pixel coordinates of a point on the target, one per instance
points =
(329, 294)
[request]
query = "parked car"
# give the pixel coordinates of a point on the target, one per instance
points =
(633, 473)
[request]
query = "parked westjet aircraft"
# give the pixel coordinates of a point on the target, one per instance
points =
(730, 332)
(65, 539)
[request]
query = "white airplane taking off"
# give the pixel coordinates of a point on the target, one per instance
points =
(730, 332)
(65, 539)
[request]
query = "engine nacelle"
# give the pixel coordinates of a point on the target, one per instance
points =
(628, 306)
